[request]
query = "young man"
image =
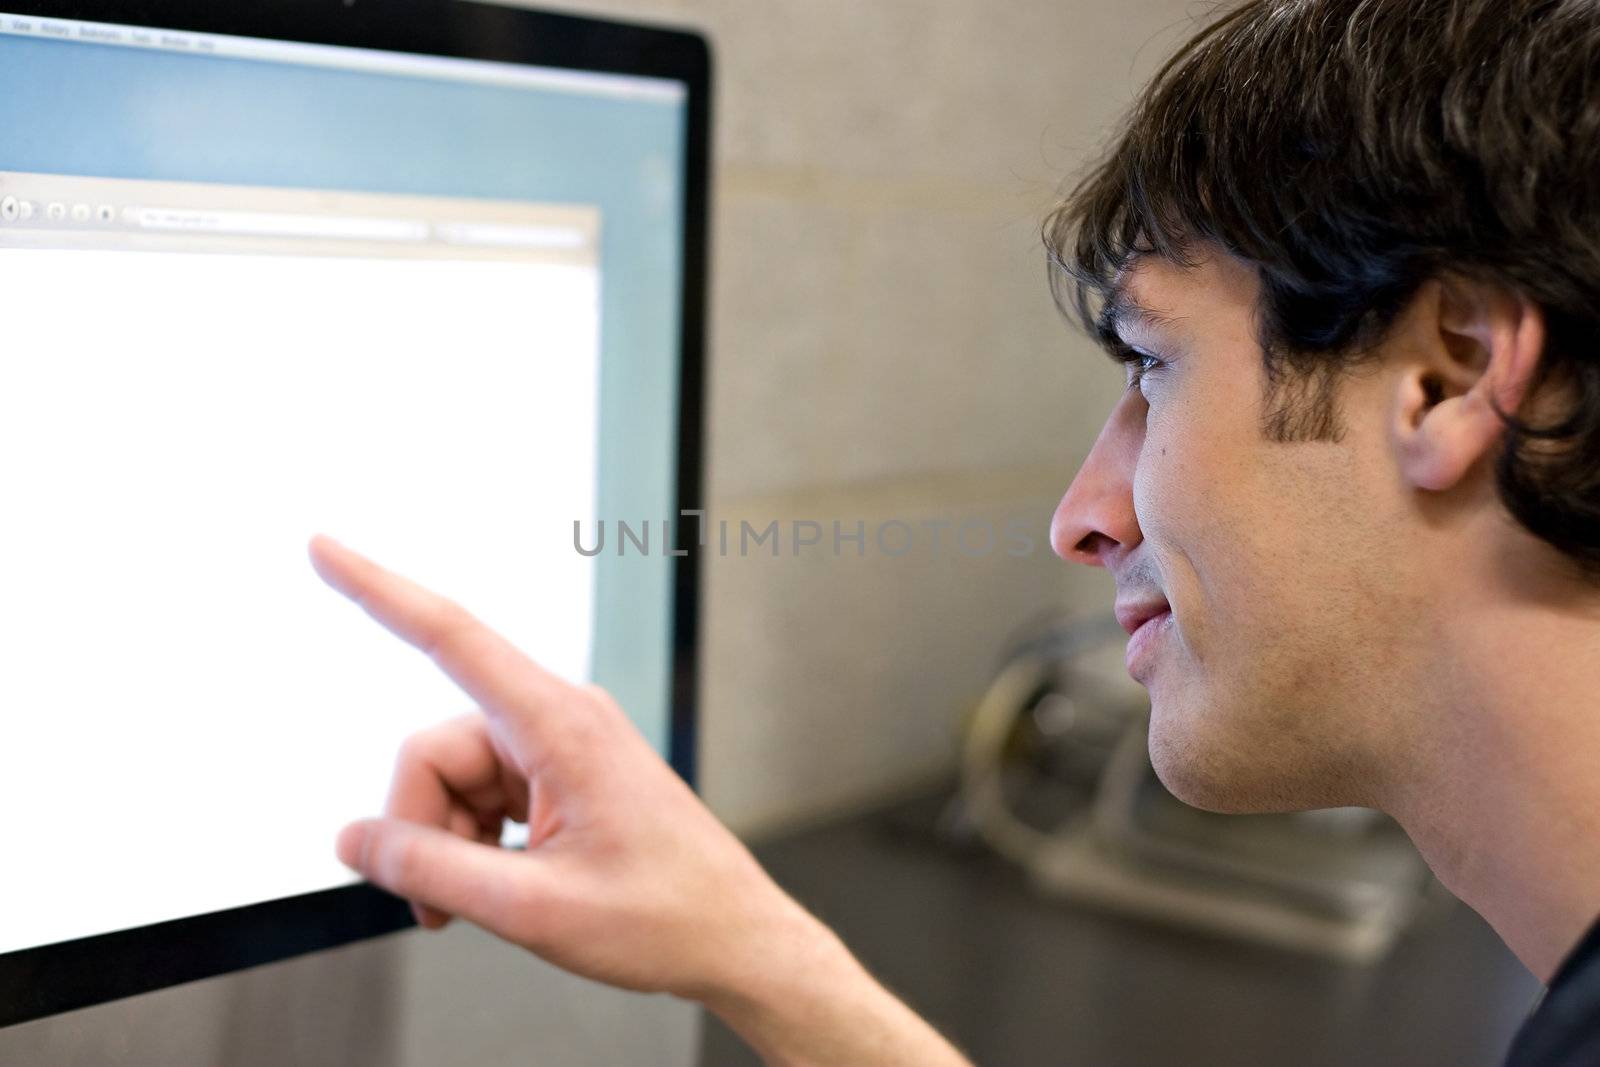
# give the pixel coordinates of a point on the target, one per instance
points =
(1350, 253)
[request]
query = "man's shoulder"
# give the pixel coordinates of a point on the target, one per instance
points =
(1564, 1031)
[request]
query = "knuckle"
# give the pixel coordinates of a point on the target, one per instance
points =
(523, 910)
(601, 706)
(404, 862)
(580, 736)
(414, 749)
(517, 898)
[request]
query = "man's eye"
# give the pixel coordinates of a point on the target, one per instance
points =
(1140, 364)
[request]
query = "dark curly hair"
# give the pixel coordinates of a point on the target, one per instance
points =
(1351, 150)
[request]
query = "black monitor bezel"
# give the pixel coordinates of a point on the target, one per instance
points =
(49, 979)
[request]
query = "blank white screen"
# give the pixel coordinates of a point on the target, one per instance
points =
(189, 715)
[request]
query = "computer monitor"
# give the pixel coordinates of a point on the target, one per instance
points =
(427, 277)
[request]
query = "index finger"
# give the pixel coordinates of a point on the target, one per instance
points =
(487, 666)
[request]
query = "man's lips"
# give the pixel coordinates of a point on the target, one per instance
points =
(1132, 614)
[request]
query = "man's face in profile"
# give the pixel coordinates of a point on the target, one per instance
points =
(1288, 568)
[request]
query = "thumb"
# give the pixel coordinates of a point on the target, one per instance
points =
(484, 884)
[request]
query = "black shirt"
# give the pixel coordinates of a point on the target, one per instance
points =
(1564, 1030)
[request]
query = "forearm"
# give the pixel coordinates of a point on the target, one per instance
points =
(806, 1002)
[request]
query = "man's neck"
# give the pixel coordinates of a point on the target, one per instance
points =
(1504, 803)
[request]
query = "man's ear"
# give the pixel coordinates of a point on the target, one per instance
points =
(1478, 347)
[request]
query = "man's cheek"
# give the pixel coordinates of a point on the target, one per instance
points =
(1165, 490)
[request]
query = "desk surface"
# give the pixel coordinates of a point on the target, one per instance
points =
(1018, 981)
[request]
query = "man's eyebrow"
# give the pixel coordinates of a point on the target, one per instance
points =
(1122, 310)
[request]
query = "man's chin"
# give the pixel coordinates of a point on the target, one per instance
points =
(1227, 764)
(1180, 777)
(1197, 766)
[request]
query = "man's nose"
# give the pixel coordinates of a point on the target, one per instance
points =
(1095, 520)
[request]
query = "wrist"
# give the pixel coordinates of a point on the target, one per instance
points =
(809, 1003)
(774, 964)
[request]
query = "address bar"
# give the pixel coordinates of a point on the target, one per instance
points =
(268, 224)
(502, 235)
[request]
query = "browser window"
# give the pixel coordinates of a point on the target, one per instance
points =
(197, 379)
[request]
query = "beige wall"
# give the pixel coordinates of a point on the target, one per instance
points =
(883, 346)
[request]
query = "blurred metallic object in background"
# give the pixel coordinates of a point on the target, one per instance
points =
(1056, 776)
